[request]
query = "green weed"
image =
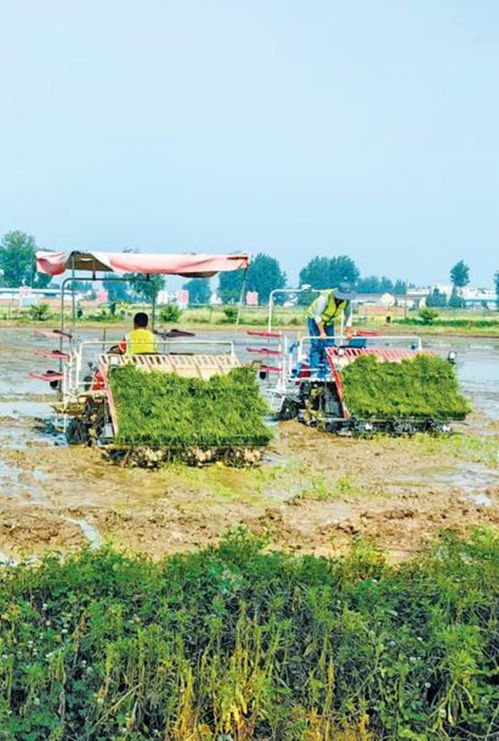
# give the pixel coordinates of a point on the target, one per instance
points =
(317, 488)
(346, 486)
(483, 450)
(39, 312)
(320, 488)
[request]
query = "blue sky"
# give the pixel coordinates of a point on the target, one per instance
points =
(367, 128)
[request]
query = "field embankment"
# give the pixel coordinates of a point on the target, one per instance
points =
(457, 323)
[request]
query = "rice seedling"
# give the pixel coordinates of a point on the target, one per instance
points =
(425, 386)
(319, 488)
(237, 643)
(163, 409)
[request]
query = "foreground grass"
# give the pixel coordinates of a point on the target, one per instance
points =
(234, 643)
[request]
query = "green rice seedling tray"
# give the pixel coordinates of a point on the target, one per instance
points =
(166, 410)
(424, 386)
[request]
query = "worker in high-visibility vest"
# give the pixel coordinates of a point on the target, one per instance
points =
(140, 340)
(322, 314)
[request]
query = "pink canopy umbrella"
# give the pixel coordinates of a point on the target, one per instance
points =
(188, 265)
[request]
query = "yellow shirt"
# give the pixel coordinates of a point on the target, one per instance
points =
(140, 341)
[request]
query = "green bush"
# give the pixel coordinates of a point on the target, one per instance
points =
(230, 313)
(170, 313)
(233, 643)
(166, 410)
(428, 315)
(425, 386)
(39, 312)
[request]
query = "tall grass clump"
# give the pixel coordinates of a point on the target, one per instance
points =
(425, 386)
(163, 409)
(234, 643)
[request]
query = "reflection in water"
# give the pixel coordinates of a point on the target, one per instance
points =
(89, 531)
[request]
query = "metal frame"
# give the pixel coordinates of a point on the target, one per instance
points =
(293, 353)
(73, 368)
(93, 278)
(409, 338)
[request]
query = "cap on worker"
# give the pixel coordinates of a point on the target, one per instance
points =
(344, 292)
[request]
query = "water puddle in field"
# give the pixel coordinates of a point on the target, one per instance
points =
(90, 532)
(16, 483)
(25, 425)
(468, 478)
(477, 365)
(27, 485)
(482, 500)
(18, 409)
(274, 459)
(471, 477)
(6, 560)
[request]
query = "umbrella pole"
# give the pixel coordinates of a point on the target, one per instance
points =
(73, 295)
(241, 297)
(153, 309)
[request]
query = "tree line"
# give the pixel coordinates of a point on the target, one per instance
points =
(265, 274)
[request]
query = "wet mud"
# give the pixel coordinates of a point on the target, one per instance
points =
(313, 493)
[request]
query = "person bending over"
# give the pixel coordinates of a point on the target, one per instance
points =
(322, 314)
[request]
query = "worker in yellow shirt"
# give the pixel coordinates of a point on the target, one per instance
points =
(140, 339)
(322, 314)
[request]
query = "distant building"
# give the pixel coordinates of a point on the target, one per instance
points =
(416, 297)
(26, 296)
(163, 297)
(472, 297)
(484, 298)
(377, 299)
(379, 304)
(446, 288)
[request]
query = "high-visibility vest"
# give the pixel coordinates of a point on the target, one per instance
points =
(140, 341)
(333, 310)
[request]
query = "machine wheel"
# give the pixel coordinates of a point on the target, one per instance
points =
(89, 425)
(361, 428)
(289, 410)
(77, 432)
(432, 427)
(399, 428)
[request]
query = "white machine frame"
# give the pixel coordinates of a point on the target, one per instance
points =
(73, 369)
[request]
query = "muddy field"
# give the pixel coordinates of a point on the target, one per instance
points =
(314, 492)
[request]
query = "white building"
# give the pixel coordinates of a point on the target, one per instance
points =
(479, 297)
